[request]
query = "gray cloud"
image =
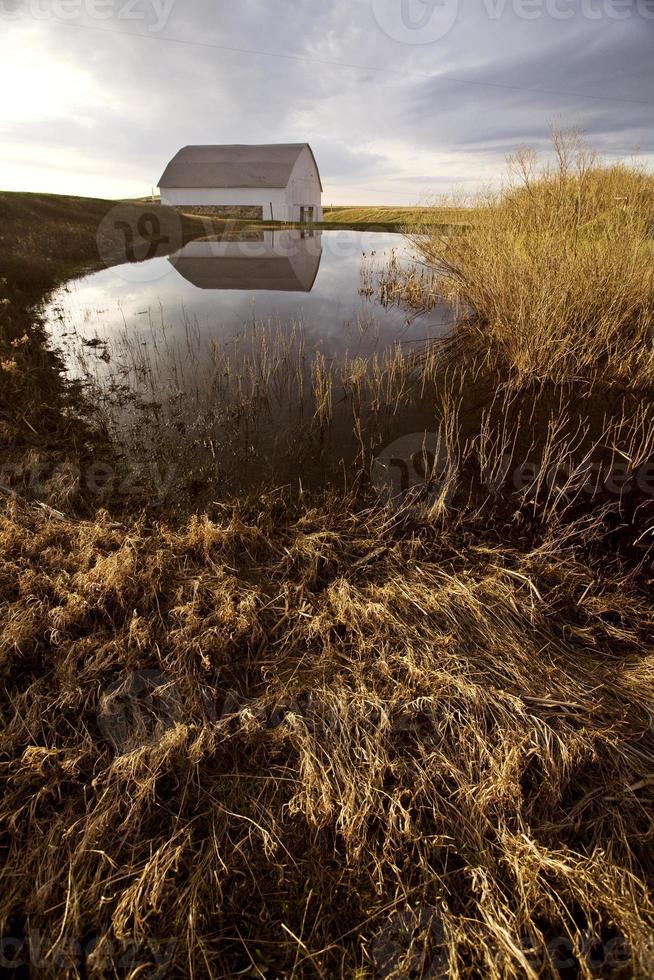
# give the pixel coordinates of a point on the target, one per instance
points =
(380, 113)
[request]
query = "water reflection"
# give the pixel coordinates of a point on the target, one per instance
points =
(241, 361)
(213, 287)
(277, 261)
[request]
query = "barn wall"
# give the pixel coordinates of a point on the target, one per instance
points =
(304, 187)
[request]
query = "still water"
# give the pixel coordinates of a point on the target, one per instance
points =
(219, 286)
(244, 357)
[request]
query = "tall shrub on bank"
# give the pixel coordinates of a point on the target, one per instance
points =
(556, 276)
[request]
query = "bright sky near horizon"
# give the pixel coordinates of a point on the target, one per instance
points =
(401, 99)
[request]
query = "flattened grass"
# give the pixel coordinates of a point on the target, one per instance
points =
(313, 742)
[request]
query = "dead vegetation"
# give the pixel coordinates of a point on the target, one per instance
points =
(320, 736)
(555, 278)
(311, 743)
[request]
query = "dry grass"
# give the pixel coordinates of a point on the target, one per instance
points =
(556, 276)
(329, 738)
(398, 217)
(354, 734)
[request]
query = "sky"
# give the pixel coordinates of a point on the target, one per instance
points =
(403, 101)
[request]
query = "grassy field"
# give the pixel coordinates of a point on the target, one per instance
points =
(317, 734)
(396, 218)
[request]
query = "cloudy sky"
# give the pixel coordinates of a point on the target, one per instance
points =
(400, 99)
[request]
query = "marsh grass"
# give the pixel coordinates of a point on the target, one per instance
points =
(555, 278)
(208, 419)
(254, 406)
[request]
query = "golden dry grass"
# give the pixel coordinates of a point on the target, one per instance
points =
(425, 215)
(556, 276)
(348, 734)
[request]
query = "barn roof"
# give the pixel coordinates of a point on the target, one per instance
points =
(239, 165)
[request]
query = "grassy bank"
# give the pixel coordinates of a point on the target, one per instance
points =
(328, 734)
(47, 238)
(386, 219)
(362, 218)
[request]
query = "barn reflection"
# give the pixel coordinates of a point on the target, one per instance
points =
(286, 261)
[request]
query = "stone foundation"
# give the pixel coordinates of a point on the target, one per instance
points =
(241, 212)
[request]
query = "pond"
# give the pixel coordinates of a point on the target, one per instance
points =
(244, 359)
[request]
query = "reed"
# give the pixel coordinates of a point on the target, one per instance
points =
(555, 278)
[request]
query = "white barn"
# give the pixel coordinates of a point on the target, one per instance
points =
(281, 179)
